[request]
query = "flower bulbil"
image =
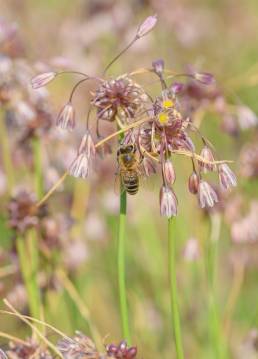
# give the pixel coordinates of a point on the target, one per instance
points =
(158, 127)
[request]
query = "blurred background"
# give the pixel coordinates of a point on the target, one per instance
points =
(78, 225)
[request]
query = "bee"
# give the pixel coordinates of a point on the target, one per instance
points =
(128, 168)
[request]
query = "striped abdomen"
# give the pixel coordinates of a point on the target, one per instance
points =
(130, 181)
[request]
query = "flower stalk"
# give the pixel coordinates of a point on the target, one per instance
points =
(175, 316)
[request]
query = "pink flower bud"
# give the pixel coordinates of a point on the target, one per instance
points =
(42, 79)
(206, 195)
(131, 353)
(66, 117)
(168, 202)
(193, 183)
(227, 177)
(169, 172)
(147, 26)
(177, 87)
(207, 155)
(204, 77)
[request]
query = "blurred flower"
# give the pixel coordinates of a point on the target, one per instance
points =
(204, 77)
(27, 351)
(246, 118)
(245, 229)
(66, 117)
(2, 354)
(249, 160)
(147, 26)
(227, 177)
(42, 79)
(75, 253)
(17, 296)
(206, 195)
(191, 250)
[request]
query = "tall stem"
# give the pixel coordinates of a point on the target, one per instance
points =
(121, 267)
(175, 316)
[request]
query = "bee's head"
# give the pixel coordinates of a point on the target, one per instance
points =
(126, 153)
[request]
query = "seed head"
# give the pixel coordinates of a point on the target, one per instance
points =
(168, 202)
(42, 79)
(146, 26)
(206, 195)
(66, 117)
(227, 177)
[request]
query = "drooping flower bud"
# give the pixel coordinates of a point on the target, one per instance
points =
(168, 202)
(169, 172)
(158, 66)
(42, 79)
(80, 166)
(204, 77)
(87, 145)
(246, 118)
(193, 182)
(66, 117)
(207, 155)
(147, 26)
(177, 87)
(227, 177)
(206, 195)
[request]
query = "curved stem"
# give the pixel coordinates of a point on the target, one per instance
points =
(173, 291)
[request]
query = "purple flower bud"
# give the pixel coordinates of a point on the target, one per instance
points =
(193, 183)
(111, 349)
(169, 172)
(206, 195)
(66, 117)
(207, 155)
(131, 353)
(158, 66)
(227, 177)
(168, 202)
(204, 77)
(42, 79)
(146, 26)
(177, 87)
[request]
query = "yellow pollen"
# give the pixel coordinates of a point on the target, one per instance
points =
(167, 103)
(163, 117)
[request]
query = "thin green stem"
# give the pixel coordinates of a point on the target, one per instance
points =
(6, 152)
(26, 248)
(121, 267)
(173, 290)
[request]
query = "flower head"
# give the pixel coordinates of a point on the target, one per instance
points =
(121, 351)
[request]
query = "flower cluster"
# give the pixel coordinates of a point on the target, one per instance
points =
(158, 127)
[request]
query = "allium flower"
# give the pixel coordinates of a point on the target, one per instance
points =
(227, 177)
(206, 195)
(193, 182)
(42, 79)
(147, 26)
(168, 202)
(121, 351)
(246, 118)
(120, 96)
(169, 172)
(249, 160)
(204, 77)
(207, 154)
(66, 117)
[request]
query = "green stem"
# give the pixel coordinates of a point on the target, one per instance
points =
(173, 290)
(6, 152)
(218, 347)
(27, 251)
(121, 268)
